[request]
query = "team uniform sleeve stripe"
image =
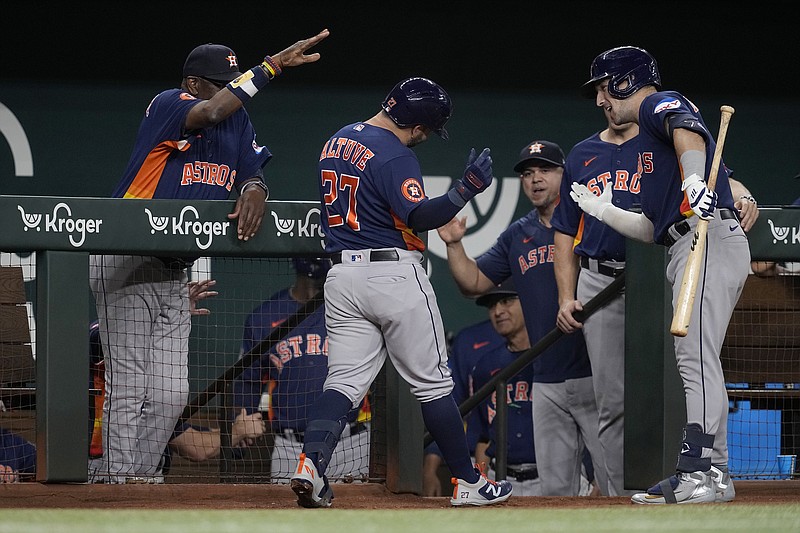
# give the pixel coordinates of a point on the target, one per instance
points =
(412, 241)
(147, 178)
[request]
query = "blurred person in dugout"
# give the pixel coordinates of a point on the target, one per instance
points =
(505, 314)
(190, 441)
(194, 442)
(287, 377)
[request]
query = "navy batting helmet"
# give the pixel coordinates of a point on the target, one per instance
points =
(627, 66)
(419, 101)
(312, 268)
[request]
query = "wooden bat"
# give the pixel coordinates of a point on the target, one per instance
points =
(691, 272)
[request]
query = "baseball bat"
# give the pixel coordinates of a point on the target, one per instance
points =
(691, 272)
(525, 358)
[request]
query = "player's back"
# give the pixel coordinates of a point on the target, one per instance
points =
(369, 183)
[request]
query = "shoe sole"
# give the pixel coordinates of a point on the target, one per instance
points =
(305, 495)
(476, 503)
(659, 500)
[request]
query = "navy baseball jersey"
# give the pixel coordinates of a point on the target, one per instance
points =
(596, 163)
(528, 245)
(168, 162)
(297, 365)
(660, 171)
(518, 399)
(17, 452)
(370, 183)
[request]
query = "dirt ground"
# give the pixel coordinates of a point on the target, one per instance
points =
(267, 496)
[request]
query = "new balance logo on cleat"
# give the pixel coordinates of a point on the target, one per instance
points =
(482, 492)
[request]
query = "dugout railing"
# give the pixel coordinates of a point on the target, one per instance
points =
(63, 231)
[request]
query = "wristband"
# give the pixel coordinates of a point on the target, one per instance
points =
(271, 67)
(248, 84)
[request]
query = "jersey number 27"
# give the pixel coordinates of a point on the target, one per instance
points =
(348, 185)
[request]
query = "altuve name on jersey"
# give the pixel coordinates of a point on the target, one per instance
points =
(347, 150)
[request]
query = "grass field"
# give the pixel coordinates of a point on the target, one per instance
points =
(692, 518)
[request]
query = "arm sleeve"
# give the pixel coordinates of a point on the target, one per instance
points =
(633, 225)
(432, 214)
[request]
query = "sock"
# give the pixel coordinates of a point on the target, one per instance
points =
(444, 422)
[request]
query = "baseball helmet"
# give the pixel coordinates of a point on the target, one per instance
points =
(312, 268)
(624, 65)
(419, 101)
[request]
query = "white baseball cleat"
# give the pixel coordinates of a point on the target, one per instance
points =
(312, 489)
(482, 492)
(683, 487)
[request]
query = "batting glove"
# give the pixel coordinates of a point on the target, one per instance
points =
(477, 176)
(588, 202)
(702, 200)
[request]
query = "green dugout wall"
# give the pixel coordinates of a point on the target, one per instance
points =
(75, 139)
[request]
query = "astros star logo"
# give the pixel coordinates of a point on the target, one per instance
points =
(536, 148)
(232, 61)
(412, 190)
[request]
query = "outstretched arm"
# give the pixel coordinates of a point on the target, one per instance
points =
(233, 96)
(633, 225)
(469, 278)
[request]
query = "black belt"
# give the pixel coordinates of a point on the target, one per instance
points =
(679, 229)
(298, 436)
(601, 267)
(522, 473)
(374, 255)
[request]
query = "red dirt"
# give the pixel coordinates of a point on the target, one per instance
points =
(269, 496)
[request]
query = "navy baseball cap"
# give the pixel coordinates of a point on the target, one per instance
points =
(213, 61)
(540, 150)
(492, 296)
(312, 268)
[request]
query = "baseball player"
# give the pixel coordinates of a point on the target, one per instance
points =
(597, 251)
(587, 246)
(506, 316)
(379, 301)
(290, 377)
(675, 153)
(193, 442)
(194, 143)
(564, 409)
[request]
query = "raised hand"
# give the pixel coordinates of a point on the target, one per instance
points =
(295, 55)
(477, 176)
(588, 202)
